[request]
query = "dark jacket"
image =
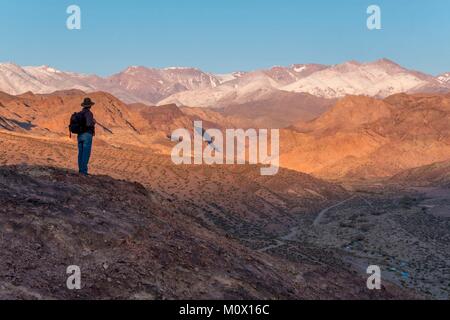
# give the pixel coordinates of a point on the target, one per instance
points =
(89, 124)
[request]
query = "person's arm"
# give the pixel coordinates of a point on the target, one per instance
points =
(90, 121)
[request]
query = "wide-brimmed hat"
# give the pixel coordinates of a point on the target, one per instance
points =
(87, 103)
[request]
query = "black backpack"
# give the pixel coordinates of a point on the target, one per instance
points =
(77, 123)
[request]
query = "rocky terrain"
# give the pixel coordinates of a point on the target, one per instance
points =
(436, 174)
(355, 137)
(262, 205)
(144, 228)
(132, 243)
(362, 137)
(402, 229)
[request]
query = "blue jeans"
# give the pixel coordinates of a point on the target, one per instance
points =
(84, 151)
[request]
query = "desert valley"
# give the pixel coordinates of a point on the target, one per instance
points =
(364, 180)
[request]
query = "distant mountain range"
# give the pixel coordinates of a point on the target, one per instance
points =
(195, 88)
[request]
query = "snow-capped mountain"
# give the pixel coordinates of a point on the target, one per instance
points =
(152, 85)
(244, 88)
(229, 76)
(444, 78)
(135, 84)
(193, 87)
(378, 79)
(17, 80)
(288, 75)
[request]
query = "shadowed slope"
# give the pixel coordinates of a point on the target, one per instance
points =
(129, 245)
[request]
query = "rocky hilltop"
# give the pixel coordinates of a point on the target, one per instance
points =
(129, 245)
(363, 137)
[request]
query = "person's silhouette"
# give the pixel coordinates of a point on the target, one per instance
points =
(85, 137)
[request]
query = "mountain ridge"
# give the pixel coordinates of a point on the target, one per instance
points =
(188, 86)
(366, 137)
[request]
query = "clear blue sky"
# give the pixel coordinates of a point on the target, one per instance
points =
(223, 35)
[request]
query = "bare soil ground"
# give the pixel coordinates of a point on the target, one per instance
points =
(200, 232)
(405, 231)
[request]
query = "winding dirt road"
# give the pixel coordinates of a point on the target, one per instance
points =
(292, 235)
(324, 211)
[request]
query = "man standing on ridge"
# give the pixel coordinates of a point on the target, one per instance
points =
(83, 124)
